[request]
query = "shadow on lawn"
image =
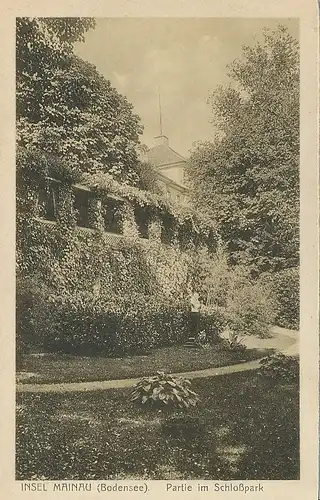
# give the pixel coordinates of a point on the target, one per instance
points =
(247, 431)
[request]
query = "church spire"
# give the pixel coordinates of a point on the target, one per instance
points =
(161, 139)
(160, 113)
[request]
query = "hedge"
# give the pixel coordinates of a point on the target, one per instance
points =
(119, 326)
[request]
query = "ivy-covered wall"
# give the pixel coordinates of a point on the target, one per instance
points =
(74, 268)
(62, 252)
(43, 243)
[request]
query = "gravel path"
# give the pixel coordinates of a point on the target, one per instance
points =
(283, 340)
(130, 382)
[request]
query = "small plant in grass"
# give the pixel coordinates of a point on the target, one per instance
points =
(202, 340)
(280, 367)
(234, 343)
(164, 391)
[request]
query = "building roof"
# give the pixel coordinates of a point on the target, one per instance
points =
(164, 155)
(170, 182)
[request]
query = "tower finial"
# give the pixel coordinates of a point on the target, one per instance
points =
(160, 112)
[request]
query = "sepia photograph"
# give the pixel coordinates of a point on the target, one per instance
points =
(157, 248)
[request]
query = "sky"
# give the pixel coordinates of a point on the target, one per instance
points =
(182, 59)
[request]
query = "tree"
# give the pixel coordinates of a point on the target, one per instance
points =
(42, 47)
(247, 178)
(65, 108)
(148, 177)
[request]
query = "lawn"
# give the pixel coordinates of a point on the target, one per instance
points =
(250, 430)
(65, 368)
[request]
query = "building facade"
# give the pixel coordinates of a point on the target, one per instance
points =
(171, 169)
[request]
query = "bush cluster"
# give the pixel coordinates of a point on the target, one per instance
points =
(277, 367)
(247, 304)
(250, 309)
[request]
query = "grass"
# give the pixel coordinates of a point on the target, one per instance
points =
(250, 430)
(55, 368)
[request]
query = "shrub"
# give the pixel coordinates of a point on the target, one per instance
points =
(280, 367)
(164, 391)
(24, 308)
(246, 304)
(118, 326)
(234, 343)
(250, 309)
(212, 323)
(167, 322)
(30, 305)
(286, 290)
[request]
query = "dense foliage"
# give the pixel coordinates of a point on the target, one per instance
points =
(286, 288)
(248, 304)
(118, 320)
(66, 108)
(115, 295)
(247, 178)
(91, 292)
(88, 291)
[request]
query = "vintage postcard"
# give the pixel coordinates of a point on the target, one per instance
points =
(160, 266)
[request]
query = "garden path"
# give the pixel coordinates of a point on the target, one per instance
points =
(282, 340)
